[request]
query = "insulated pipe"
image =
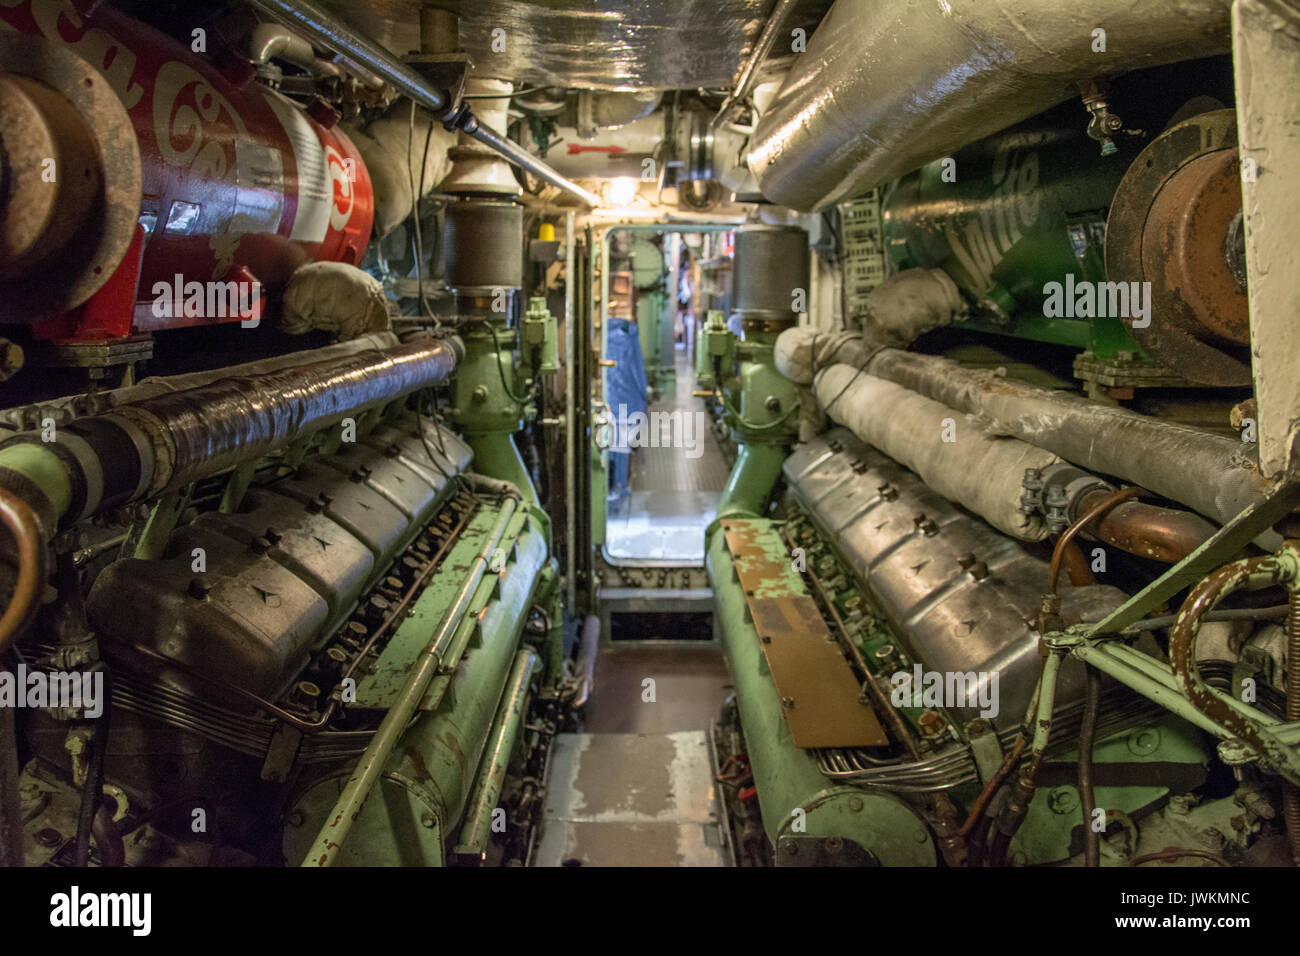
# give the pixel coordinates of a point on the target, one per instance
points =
(951, 453)
(329, 32)
(140, 450)
(90, 403)
(1213, 475)
(888, 85)
(766, 40)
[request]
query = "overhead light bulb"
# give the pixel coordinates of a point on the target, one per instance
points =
(622, 192)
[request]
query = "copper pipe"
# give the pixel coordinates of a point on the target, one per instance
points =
(1110, 501)
(1076, 566)
(995, 783)
(1162, 534)
(23, 525)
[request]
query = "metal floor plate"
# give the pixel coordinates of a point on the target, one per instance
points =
(631, 800)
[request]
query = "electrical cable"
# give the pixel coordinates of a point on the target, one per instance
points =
(415, 213)
(1058, 552)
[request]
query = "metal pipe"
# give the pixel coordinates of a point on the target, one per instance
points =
(269, 41)
(570, 420)
(1110, 500)
(1161, 534)
(83, 404)
(585, 668)
(328, 843)
(477, 829)
(752, 478)
(1232, 614)
(1022, 793)
(525, 160)
(24, 526)
(143, 449)
(1087, 784)
(1215, 476)
(92, 789)
(1251, 574)
(325, 30)
(11, 822)
(766, 40)
(888, 85)
(1076, 566)
(1290, 792)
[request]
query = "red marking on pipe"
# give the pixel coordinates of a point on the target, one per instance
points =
(574, 149)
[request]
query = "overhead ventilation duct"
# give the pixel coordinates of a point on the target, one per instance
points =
(888, 85)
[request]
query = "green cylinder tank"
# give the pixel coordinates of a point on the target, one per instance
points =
(1009, 214)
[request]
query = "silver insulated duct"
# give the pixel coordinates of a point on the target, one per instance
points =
(888, 85)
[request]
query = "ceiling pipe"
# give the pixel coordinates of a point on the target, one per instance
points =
(749, 72)
(886, 86)
(327, 31)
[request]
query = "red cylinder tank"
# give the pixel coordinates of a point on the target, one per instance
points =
(239, 183)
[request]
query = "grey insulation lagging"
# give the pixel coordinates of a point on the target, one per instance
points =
(1211, 474)
(980, 471)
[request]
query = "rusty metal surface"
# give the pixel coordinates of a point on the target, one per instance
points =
(1246, 574)
(108, 226)
(1183, 337)
(820, 695)
(1162, 534)
(1183, 248)
(621, 45)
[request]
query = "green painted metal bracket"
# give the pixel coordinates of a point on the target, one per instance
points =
(149, 540)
